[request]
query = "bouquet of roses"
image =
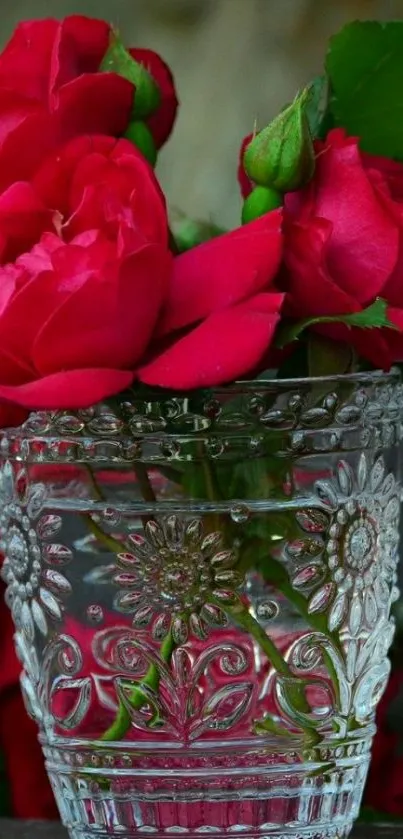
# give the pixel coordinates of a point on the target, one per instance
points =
(103, 290)
(96, 295)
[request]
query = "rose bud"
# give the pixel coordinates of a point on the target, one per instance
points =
(261, 200)
(282, 156)
(140, 135)
(118, 59)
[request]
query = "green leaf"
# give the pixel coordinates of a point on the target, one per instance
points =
(317, 104)
(365, 67)
(374, 316)
(117, 59)
(269, 724)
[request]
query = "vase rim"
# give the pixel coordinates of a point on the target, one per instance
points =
(392, 377)
(154, 425)
(365, 377)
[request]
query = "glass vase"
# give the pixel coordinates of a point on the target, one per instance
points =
(201, 587)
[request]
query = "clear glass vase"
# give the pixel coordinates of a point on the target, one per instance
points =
(201, 587)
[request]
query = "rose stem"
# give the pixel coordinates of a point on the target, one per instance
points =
(137, 699)
(240, 613)
(112, 544)
(243, 617)
(299, 601)
(145, 487)
(318, 622)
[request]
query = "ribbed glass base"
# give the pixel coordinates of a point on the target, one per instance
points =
(107, 793)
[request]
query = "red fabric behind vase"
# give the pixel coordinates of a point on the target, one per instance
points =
(384, 791)
(31, 795)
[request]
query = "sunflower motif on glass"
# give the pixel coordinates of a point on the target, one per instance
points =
(177, 579)
(346, 561)
(31, 568)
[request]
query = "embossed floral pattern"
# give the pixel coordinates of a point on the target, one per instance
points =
(347, 560)
(129, 671)
(177, 579)
(208, 687)
(34, 591)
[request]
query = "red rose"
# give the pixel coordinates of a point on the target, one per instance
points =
(221, 311)
(344, 243)
(51, 91)
(77, 309)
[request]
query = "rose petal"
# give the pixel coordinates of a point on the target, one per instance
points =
(25, 61)
(79, 47)
(223, 271)
(14, 370)
(23, 218)
(391, 170)
(80, 334)
(91, 175)
(29, 309)
(119, 186)
(227, 345)
(393, 288)
(9, 276)
(53, 179)
(96, 103)
(311, 289)
(394, 337)
(68, 389)
(390, 194)
(25, 140)
(244, 181)
(39, 258)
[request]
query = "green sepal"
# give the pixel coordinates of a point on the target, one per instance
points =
(140, 135)
(117, 59)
